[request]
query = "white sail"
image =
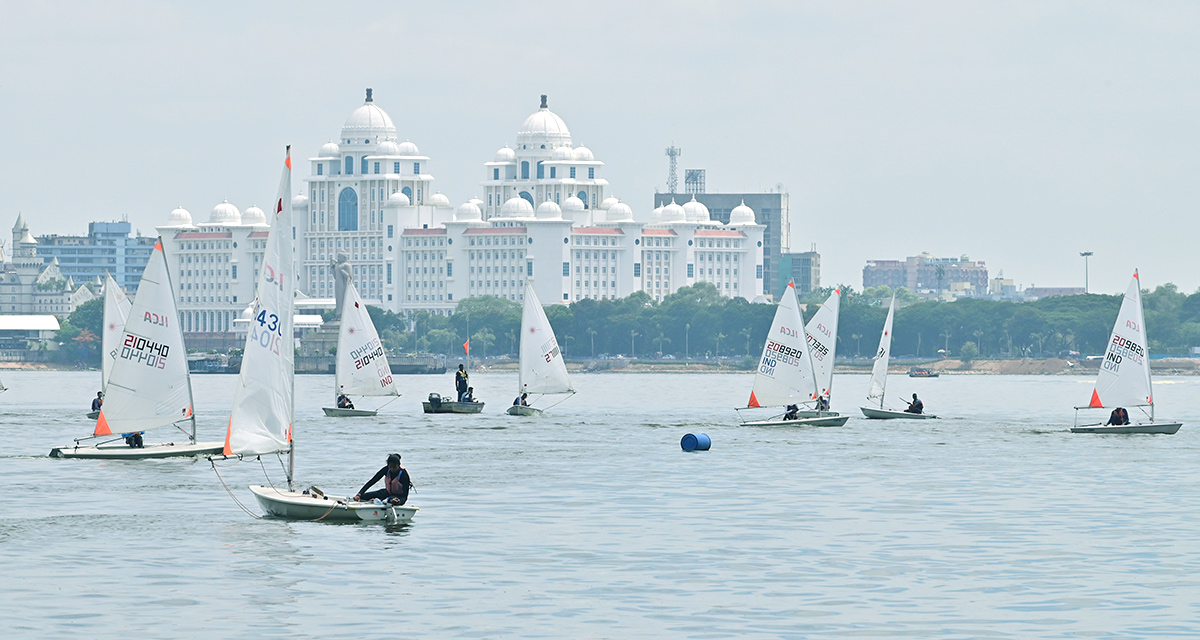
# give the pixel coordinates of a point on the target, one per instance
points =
(880, 368)
(149, 385)
(1124, 379)
(785, 374)
(116, 310)
(542, 367)
(362, 366)
(822, 341)
(261, 420)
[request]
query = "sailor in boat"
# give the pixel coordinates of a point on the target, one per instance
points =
(469, 396)
(343, 402)
(1119, 416)
(135, 440)
(396, 483)
(916, 406)
(793, 412)
(460, 382)
(822, 403)
(521, 400)
(98, 401)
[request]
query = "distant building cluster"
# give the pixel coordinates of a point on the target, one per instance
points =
(31, 285)
(930, 277)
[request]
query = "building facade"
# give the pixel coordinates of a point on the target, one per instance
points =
(107, 248)
(30, 286)
(928, 276)
(804, 269)
(771, 210)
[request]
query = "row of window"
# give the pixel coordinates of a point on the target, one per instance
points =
(349, 164)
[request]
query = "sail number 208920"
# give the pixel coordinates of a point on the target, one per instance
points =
(268, 334)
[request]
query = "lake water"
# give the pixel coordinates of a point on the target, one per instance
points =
(592, 523)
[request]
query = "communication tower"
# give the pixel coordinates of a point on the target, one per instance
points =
(673, 152)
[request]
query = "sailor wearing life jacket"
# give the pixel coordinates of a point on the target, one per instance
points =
(396, 483)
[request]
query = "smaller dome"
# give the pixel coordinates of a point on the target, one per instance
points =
(695, 211)
(506, 155)
(741, 214)
(620, 212)
(439, 200)
(397, 199)
(387, 148)
(583, 154)
(562, 153)
(573, 204)
(608, 202)
(656, 215)
(180, 217)
(548, 210)
(516, 207)
(468, 211)
(408, 149)
(300, 202)
(254, 215)
(477, 202)
(225, 213)
(248, 313)
(673, 213)
(330, 150)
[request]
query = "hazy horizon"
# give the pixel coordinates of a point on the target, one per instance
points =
(1015, 133)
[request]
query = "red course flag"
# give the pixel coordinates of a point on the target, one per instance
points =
(467, 347)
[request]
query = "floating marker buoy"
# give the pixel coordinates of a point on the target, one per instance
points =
(695, 442)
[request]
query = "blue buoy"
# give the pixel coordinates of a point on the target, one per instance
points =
(695, 442)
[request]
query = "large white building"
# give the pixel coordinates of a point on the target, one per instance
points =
(547, 218)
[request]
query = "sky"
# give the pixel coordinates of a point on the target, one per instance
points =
(1016, 133)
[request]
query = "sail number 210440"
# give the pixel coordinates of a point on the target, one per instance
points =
(269, 332)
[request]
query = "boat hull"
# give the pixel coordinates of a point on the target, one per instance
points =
(453, 407)
(887, 414)
(335, 412)
(293, 505)
(518, 410)
(125, 452)
(1150, 427)
(803, 419)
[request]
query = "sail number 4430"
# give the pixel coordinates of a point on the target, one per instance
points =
(268, 334)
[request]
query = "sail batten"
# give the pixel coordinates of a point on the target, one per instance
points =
(879, 369)
(542, 368)
(362, 365)
(149, 385)
(785, 369)
(263, 403)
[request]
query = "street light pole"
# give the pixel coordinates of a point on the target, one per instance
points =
(1085, 255)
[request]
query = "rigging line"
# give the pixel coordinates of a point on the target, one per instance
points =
(264, 468)
(389, 401)
(568, 397)
(230, 492)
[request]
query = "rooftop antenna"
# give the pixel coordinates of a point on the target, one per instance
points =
(673, 152)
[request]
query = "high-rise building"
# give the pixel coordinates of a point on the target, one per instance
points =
(804, 269)
(107, 248)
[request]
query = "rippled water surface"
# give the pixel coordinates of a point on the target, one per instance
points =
(591, 522)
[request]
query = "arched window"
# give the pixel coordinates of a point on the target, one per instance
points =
(348, 210)
(528, 198)
(407, 193)
(583, 196)
(364, 166)
(524, 169)
(541, 171)
(349, 165)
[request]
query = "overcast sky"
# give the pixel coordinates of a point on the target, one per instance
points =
(1015, 133)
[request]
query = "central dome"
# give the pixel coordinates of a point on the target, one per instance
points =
(367, 123)
(544, 127)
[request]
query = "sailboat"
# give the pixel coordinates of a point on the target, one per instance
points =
(116, 310)
(1124, 379)
(785, 371)
(148, 386)
(542, 369)
(821, 332)
(879, 373)
(362, 366)
(264, 400)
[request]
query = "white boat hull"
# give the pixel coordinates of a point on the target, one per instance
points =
(876, 413)
(803, 419)
(335, 412)
(293, 505)
(121, 451)
(518, 410)
(1149, 427)
(453, 407)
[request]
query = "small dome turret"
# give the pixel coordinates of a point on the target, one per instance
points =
(387, 148)
(695, 211)
(330, 150)
(407, 148)
(562, 153)
(468, 212)
(620, 212)
(673, 213)
(741, 214)
(397, 199)
(225, 213)
(573, 204)
(254, 215)
(300, 202)
(608, 202)
(438, 200)
(179, 217)
(583, 154)
(548, 210)
(506, 155)
(516, 207)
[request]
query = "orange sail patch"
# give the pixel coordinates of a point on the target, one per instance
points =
(228, 431)
(753, 401)
(1096, 400)
(102, 426)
